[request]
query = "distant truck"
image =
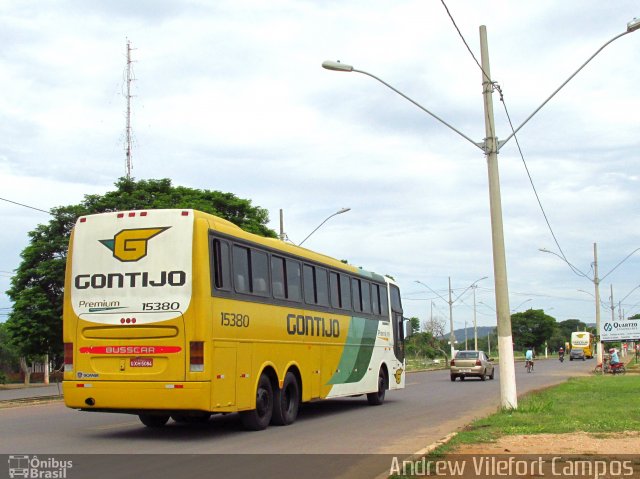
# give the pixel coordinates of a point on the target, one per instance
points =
(581, 345)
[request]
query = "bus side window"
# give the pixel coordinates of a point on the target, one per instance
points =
(221, 265)
(309, 284)
(384, 303)
(277, 277)
(334, 289)
(345, 291)
(322, 287)
(292, 273)
(396, 304)
(259, 272)
(357, 299)
(241, 269)
(366, 296)
(375, 299)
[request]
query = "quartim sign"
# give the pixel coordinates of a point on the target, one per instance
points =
(620, 330)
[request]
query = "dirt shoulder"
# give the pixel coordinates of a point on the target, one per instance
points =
(574, 443)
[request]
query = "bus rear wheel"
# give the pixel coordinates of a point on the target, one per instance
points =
(286, 401)
(259, 418)
(153, 420)
(377, 398)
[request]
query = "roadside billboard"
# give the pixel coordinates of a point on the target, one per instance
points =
(620, 330)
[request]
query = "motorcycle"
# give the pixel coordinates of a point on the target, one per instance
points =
(561, 357)
(617, 368)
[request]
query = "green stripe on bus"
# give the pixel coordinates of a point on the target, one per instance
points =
(357, 351)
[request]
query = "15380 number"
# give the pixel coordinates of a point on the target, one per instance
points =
(234, 320)
(166, 306)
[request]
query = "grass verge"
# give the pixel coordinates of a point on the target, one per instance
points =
(596, 404)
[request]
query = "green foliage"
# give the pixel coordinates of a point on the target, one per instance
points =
(424, 345)
(532, 328)
(415, 325)
(9, 358)
(35, 324)
(562, 332)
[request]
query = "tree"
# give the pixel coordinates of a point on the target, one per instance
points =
(563, 330)
(9, 357)
(35, 324)
(415, 325)
(532, 328)
(435, 326)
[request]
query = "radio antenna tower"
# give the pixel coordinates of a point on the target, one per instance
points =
(128, 163)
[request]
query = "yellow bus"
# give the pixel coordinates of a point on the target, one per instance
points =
(582, 345)
(180, 314)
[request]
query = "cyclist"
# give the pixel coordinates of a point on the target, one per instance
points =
(561, 353)
(529, 358)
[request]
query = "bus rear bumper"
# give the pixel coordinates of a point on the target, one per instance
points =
(137, 396)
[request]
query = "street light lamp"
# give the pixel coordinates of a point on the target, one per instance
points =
(339, 212)
(518, 307)
(491, 147)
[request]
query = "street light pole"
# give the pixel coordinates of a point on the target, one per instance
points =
(490, 146)
(508, 395)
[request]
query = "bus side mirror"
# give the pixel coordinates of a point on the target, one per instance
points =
(408, 330)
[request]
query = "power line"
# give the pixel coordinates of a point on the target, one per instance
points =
(497, 87)
(535, 191)
(26, 206)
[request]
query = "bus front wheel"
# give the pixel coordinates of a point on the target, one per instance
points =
(258, 419)
(377, 398)
(286, 401)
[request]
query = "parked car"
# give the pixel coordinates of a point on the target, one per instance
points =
(471, 363)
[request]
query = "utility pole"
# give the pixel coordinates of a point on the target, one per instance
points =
(452, 336)
(475, 323)
(282, 233)
(508, 395)
(596, 284)
(128, 125)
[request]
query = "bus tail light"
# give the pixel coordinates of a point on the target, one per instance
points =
(68, 357)
(196, 356)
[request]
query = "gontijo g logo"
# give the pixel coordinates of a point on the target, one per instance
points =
(131, 245)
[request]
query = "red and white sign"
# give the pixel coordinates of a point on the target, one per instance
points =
(126, 350)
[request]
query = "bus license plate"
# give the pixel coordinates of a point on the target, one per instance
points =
(141, 362)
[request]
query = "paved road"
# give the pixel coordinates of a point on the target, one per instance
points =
(428, 409)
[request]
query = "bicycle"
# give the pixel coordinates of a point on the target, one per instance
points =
(529, 366)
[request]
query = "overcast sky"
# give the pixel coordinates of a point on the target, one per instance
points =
(231, 96)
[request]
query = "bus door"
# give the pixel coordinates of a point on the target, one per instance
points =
(397, 323)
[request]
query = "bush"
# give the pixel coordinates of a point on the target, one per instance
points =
(3, 378)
